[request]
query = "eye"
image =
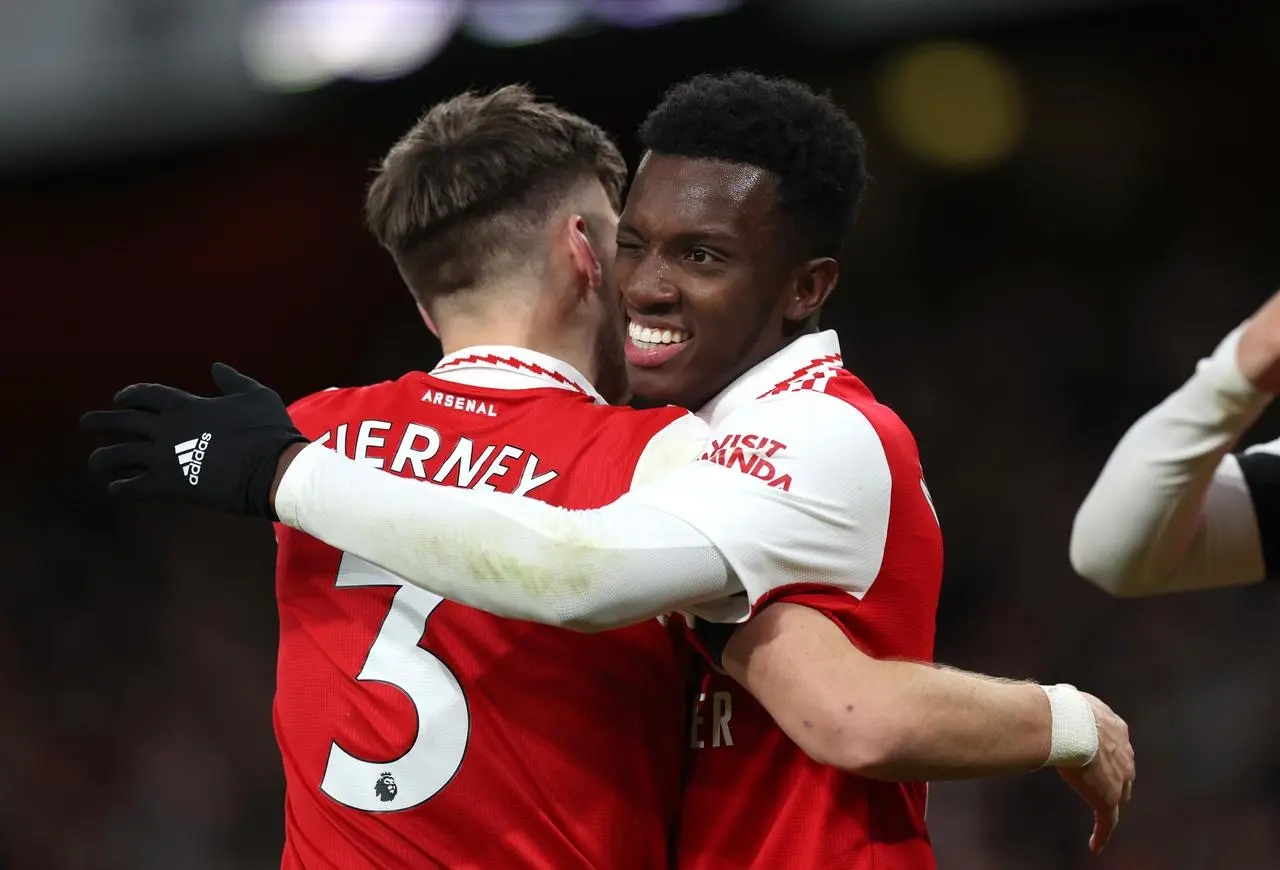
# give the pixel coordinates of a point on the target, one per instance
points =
(700, 256)
(628, 246)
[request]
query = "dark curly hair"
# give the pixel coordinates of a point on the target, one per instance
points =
(808, 142)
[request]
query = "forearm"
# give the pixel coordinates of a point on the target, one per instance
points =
(943, 724)
(511, 556)
(1167, 513)
(900, 720)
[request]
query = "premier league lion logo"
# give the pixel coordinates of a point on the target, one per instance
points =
(385, 788)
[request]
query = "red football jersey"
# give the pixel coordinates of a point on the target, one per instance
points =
(814, 492)
(418, 733)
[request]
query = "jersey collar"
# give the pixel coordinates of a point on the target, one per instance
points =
(507, 367)
(807, 358)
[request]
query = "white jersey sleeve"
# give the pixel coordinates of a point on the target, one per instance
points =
(793, 489)
(516, 557)
(1172, 510)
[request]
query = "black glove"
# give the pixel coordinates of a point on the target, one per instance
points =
(220, 452)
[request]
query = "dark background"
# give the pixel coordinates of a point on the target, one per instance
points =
(1018, 306)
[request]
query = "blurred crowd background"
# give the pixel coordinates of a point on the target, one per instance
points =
(1073, 201)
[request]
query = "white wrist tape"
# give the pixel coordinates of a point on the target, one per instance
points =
(1075, 732)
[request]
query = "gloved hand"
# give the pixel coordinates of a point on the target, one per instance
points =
(219, 452)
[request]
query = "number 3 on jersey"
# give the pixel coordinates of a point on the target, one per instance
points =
(443, 722)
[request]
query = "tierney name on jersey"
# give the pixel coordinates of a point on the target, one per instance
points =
(426, 455)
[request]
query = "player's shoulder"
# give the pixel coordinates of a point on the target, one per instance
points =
(330, 401)
(832, 406)
(336, 403)
(622, 431)
(650, 420)
(849, 389)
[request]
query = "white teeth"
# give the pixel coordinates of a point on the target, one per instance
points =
(648, 335)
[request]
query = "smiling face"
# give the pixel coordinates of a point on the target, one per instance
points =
(708, 276)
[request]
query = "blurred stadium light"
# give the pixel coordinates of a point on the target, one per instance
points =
(521, 22)
(649, 13)
(298, 44)
(97, 77)
(955, 105)
(500, 22)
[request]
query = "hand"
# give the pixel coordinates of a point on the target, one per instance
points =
(1258, 354)
(1106, 783)
(218, 452)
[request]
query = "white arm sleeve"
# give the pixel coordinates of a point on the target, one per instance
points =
(511, 556)
(794, 489)
(1171, 511)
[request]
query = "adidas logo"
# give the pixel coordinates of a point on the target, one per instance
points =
(191, 456)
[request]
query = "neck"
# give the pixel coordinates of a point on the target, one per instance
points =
(564, 348)
(518, 324)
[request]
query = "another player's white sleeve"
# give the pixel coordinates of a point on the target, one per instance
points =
(794, 489)
(509, 555)
(1171, 510)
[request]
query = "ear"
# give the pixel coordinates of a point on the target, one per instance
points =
(814, 283)
(582, 255)
(426, 318)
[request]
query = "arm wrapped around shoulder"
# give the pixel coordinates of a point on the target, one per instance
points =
(511, 556)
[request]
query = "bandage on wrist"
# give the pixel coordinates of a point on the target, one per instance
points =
(1075, 731)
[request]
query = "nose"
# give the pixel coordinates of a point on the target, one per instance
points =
(648, 287)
